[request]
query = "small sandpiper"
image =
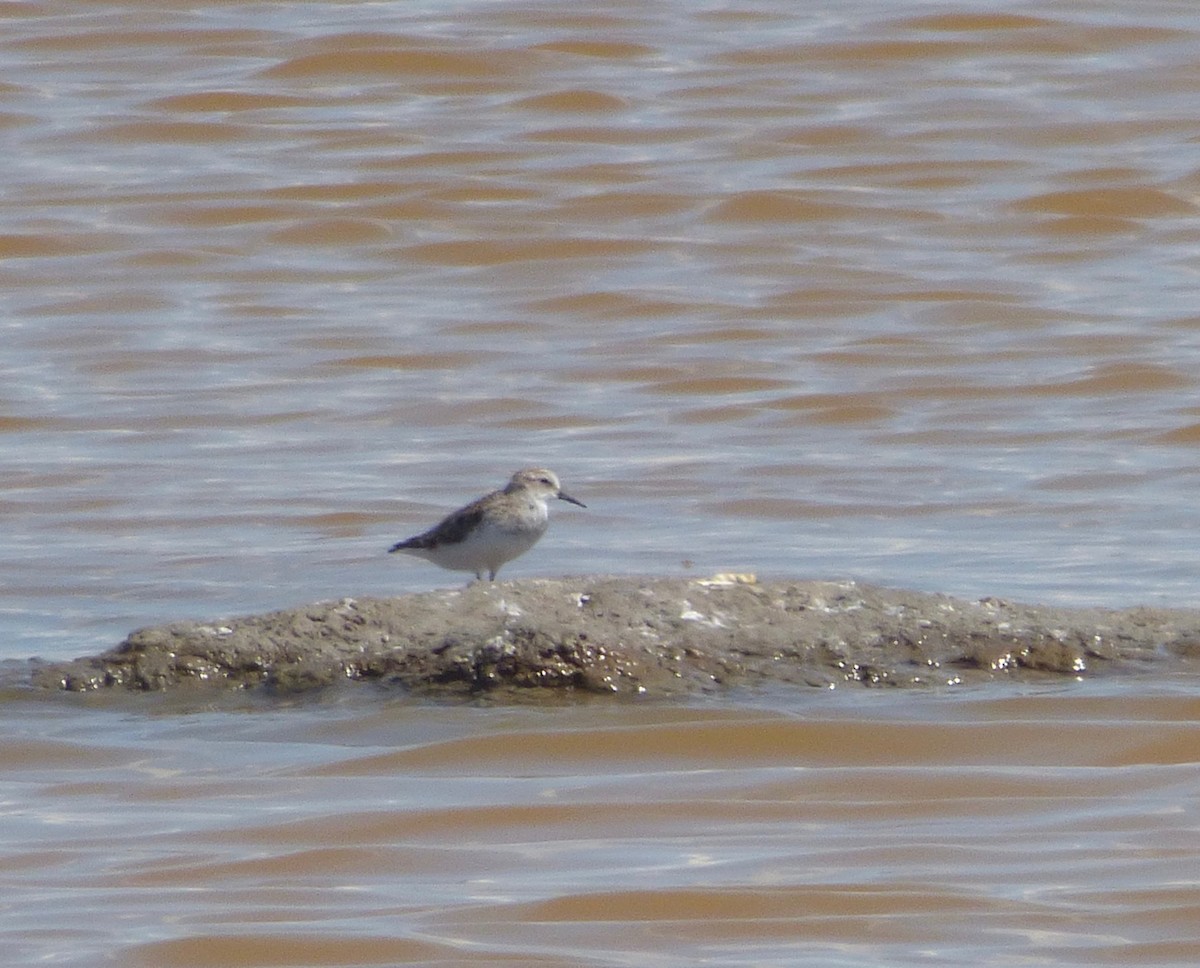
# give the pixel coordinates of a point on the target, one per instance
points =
(492, 530)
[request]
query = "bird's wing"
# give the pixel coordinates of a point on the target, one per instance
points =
(452, 530)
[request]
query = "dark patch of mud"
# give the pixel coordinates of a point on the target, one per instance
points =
(638, 636)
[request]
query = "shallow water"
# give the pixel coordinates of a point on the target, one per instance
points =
(902, 292)
(897, 292)
(865, 828)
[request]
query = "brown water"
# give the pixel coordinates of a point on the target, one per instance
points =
(901, 293)
(897, 291)
(864, 828)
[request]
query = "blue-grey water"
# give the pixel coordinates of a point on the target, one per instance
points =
(902, 293)
(896, 291)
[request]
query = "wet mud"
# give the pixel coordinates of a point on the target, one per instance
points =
(638, 637)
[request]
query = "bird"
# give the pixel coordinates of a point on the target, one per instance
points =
(492, 530)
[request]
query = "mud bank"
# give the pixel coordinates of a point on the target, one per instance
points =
(638, 636)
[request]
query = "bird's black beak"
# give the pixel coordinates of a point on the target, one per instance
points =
(570, 500)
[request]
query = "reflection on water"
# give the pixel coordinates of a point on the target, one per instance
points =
(896, 292)
(868, 828)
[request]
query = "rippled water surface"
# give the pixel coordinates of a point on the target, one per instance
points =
(888, 291)
(1049, 828)
(896, 291)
